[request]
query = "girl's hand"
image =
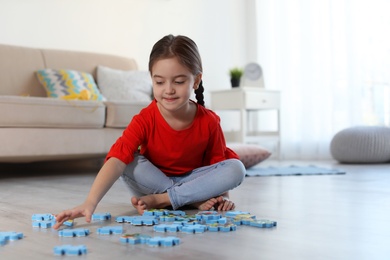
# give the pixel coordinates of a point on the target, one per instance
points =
(84, 210)
(224, 204)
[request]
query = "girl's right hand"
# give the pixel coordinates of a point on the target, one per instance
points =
(84, 210)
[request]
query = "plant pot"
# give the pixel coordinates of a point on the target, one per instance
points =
(235, 82)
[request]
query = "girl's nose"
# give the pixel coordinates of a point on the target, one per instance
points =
(170, 89)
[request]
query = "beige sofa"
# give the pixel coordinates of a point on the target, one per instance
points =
(34, 127)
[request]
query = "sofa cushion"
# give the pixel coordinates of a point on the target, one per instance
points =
(250, 154)
(47, 112)
(130, 85)
(120, 113)
(69, 84)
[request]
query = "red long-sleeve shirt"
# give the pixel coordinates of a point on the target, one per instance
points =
(173, 152)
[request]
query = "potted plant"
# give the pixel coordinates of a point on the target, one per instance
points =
(235, 76)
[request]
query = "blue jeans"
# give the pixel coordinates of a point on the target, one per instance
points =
(201, 184)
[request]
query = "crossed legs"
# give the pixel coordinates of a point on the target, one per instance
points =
(204, 188)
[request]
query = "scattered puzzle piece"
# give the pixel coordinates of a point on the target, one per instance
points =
(122, 219)
(43, 223)
(208, 215)
(155, 212)
(221, 220)
(101, 216)
(110, 230)
(42, 217)
(224, 228)
(70, 250)
(134, 238)
(192, 229)
(144, 220)
(77, 232)
(262, 223)
(234, 213)
(6, 236)
(163, 241)
(168, 228)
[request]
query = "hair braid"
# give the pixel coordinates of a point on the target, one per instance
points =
(199, 94)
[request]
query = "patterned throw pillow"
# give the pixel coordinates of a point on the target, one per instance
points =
(69, 84)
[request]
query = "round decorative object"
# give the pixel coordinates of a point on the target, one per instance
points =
(362, 144)
(253, 71)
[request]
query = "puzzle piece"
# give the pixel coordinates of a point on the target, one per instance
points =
(192, 229)
(208, 215)
(177, 213)
(101, 216)
(5, 236)
(122, 219)
(234, 213)
(144, 220)
(77, 232)
(70, 250)
(221, 220)
(42, 217)
(134, 238)
(110, 230)
(169, 218)
(168, 228)
(243, 219)
(163, 241)
(43, 223)
(224, 228)
(155, 212)
(263, 223)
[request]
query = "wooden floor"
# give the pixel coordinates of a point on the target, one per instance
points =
(319, 217)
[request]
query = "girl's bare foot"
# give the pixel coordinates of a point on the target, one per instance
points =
(205, 205)
(152, 201)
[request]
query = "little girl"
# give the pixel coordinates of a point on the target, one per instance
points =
(173, 153)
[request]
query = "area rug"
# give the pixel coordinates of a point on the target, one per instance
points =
(291, 170)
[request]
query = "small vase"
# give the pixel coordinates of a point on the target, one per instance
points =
(235, 82)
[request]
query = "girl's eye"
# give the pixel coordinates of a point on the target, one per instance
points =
(179, 82)
(159, 82)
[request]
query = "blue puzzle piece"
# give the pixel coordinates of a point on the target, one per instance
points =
(177, 213)
(70, 250)
(169, 218)
(208, 215)
(263, 223)
(168, 228)
(144, 220)
(134, 239)
(101, 216)
(43, 223)
(234, 213)
(6, 236)
(192, 229)
(122, 219)
(163, 241)
(42, 217)
(11, 235)
(110, 230)
(218, 221)
(243, 219)
(223, 228)
(155, 212)
(77, 232)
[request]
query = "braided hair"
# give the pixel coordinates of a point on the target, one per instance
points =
(186, 51)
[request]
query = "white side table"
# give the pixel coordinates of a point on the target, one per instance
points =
(247, 99)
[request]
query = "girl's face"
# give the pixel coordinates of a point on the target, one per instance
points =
(173, 84)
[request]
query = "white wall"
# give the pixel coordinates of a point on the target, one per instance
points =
(221, 28)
